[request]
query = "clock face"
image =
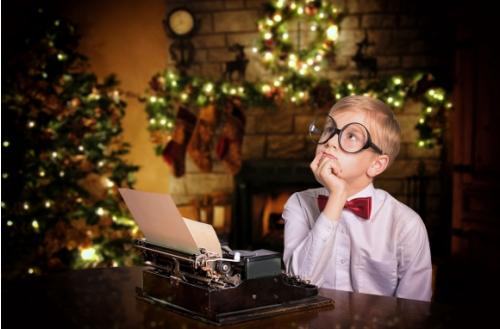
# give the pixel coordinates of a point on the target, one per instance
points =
(181, 22)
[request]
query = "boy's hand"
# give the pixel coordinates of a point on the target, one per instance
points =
(327, 171)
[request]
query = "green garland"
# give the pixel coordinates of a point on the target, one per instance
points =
(168, 91)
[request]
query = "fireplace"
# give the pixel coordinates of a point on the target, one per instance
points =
(261, 189)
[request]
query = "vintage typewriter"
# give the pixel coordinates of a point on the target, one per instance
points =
(241, 286)
(188, 271)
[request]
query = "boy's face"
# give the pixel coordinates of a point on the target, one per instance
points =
(352, 167)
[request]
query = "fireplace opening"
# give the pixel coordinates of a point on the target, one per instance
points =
(261, 190)
(267, 224)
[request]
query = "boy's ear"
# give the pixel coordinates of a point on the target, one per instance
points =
(378, 165)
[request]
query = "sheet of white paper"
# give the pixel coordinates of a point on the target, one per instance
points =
(159, 219)
(204, 235)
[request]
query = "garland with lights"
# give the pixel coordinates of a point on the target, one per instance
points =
(62, 158)
(169, 91)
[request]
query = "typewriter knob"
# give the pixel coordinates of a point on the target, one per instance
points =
(224, 268)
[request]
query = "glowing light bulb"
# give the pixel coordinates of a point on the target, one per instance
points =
(268, 56)
(109, 183)
(209, 87)
(88, 254)
(332, 33)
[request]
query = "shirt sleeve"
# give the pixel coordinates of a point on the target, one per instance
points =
(415, 268)
(307, 250)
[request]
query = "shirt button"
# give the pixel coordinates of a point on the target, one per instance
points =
(342, 261)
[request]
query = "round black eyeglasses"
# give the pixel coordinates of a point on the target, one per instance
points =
(353, 137)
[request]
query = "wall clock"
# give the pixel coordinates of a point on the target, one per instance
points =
(180, 22)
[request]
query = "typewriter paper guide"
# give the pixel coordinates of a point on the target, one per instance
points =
(162, 224)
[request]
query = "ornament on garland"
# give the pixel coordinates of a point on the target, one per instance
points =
(238, 65)
(366, 65)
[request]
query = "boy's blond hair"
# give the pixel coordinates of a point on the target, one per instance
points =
(384, 127)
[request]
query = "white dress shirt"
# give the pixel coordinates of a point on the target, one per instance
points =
(388, 254)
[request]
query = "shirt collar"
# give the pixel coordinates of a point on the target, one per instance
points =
(368, 191)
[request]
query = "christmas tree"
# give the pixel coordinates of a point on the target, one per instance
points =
(61, 157)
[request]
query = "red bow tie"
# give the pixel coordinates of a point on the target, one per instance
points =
(361, 207)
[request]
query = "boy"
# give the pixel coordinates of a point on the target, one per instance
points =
(349, 235)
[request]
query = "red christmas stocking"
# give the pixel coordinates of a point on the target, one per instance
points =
(229, 145)
(174, 152)
(200, 145)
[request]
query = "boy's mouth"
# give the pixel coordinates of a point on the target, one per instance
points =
(327, 155)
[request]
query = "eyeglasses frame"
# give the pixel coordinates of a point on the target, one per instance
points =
(338, 131)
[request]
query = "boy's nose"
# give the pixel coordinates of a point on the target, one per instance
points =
(333, 142)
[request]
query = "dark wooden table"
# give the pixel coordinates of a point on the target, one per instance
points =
(105, 298)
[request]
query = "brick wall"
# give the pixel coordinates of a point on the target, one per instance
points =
(407, 36)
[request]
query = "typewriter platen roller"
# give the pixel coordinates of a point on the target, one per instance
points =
(239, 286)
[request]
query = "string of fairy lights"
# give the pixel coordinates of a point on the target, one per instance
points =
(296, 76)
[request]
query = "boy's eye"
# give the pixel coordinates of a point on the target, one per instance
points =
(352, 136)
